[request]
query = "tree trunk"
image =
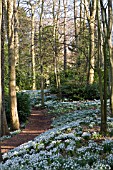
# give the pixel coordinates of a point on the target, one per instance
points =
(107, 28)
(16, 37)
(65, 46)
(75, 21)
(12, 75)
(91, 20)
(0, 77)
(41, 56)
(92, 52)
(5, 130)
(100, 66)
(32, 49)
(110, 23)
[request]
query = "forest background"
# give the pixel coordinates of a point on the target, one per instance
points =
(61, 45)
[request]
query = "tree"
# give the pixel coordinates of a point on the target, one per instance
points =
(106, 27)
(12, 75)
(64, 32)
(75, 19)
(99, 67)
(55, 44)
(0, 65)
(90, 7)
(0, 76)
(5, 130)
(16, 36)
(40, 54)
(32, 47)
(110, 23)
(24, 67)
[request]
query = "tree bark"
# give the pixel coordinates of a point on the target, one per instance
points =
(16, 37)
(12, 74)
(65, 46)
(90, 13)
(40, 53)
(32, 49)
(0, 77)
(110, 23)
(5, 130)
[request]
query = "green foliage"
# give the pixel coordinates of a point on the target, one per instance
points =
(73, 91)
(74, 86)
(23, 106)
(91, 92)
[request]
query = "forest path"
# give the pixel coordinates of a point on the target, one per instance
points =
(38, 122)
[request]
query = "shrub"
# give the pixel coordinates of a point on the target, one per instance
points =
(73, 91)
(91, 92)
(23, 106)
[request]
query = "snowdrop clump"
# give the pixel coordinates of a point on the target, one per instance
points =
(67, 146)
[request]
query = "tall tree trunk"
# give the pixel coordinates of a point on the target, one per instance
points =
(65, 46)
(110, 23)
(5, 130)
(12, 79)
(92, 52)
(16, 37)
(91, 20)
(0, 77)
(32, 48)
(55, 45)
(41, 55)
(100, 65)
(0, 67)
(107, 28)
(55, 23)
(75, 20)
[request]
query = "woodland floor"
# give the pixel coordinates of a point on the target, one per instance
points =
(38, 122)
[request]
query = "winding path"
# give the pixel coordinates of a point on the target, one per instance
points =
(38, 123)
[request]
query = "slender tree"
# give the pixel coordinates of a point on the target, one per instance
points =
(55, 43)
(0, 66)
(0, 76)
(32, 47)
(5, 130)
(110, 23)
(16, 36)
(106, 32)
(90, 8)
(64, 31)
(75, 20)
(12, 75)
(40, 53)
(103, 122)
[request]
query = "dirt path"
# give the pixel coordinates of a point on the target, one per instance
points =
(38, 123)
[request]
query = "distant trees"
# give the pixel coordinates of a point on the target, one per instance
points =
(65, 39)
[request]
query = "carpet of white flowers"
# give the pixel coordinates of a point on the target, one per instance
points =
(71, 144)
